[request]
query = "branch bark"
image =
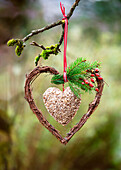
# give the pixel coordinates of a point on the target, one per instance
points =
(60, 22)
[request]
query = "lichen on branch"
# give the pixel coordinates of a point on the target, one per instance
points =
(19, 45)
(53, 49)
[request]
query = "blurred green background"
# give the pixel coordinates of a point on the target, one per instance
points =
(94, 33)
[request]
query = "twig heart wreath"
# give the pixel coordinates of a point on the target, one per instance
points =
(80, 75)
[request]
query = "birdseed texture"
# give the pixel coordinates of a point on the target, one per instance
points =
(62, 106)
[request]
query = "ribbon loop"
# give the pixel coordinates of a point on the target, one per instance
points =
(65, 42)
(62, 9)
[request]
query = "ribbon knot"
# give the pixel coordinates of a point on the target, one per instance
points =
(65, 42)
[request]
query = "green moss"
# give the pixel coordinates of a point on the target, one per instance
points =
(63, 21)
(19, 45)
(37, 59)
(19, 50)
(53, 49)
(45, 54)
(11, 42)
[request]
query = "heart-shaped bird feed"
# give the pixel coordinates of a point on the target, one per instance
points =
(28, 96)
(62, 106)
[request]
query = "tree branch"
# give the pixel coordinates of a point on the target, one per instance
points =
(34, 32)
(61, 38)
(60, 22)
(37, 45)
(72, 9)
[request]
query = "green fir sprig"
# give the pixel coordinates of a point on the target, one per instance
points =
(81, 76)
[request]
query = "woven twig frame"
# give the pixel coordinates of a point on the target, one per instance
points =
(28, 96)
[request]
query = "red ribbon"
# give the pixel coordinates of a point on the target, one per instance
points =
(65, 42)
